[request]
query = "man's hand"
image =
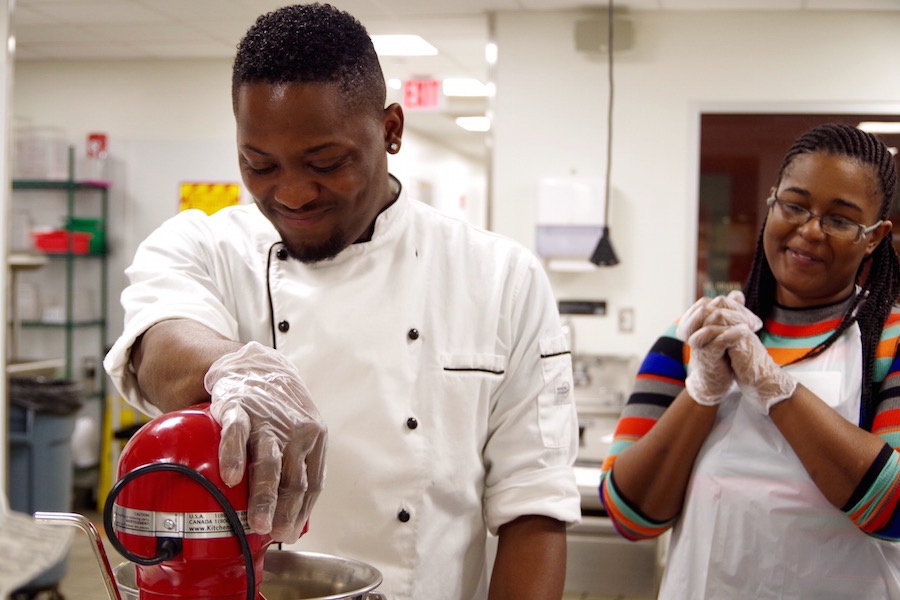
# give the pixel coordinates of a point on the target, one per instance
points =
(265, 411)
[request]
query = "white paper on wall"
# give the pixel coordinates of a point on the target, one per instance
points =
(570, 216)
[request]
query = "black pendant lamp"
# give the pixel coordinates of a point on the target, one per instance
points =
(604, 255)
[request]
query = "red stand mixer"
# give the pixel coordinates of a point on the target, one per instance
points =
(184, 533)
(172, 515)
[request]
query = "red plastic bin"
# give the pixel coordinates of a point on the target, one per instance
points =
(61, 241)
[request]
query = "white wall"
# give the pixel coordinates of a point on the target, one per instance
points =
(170, 122)
(166, 122)
(432, 174)
(550, 120)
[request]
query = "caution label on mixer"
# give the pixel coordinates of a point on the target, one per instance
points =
(191, 525)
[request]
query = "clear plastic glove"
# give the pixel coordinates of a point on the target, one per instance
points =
(721, 310)
(265, 411)
(709, 374)
(760, 378)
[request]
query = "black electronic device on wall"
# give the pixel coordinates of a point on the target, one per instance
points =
(582, 307)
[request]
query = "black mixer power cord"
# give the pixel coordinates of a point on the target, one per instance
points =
(168, 547)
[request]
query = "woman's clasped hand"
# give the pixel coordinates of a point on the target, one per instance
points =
(725, 349)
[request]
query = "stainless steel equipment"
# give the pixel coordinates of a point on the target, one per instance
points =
(600, 561)
(602, 384)
(295, 576)
(81, 522)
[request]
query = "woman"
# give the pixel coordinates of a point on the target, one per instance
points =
(766, 436)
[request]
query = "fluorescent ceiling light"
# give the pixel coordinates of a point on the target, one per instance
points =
(402, 45)
(490, 53)
(880, 126)
(474, 123)
(463, 86)
(394, 83)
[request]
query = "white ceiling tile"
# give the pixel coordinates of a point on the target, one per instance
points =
(738, 5)
(141, 32)
(48, 34)
(199, 10)
(433, 29)
(181, 50)
(553, 4)
(638, 4)
(222, 30)
(32, 53)
(858, 5)
(83, 51)
(259, 7)
(26, 15)
(108, 11)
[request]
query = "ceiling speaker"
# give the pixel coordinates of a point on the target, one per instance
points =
(592, 35)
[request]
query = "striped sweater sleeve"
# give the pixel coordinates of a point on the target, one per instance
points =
(875, 504)
(659, 380)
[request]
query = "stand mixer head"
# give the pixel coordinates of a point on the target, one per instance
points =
(172, 515)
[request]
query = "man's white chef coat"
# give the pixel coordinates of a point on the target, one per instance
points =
(433, 352)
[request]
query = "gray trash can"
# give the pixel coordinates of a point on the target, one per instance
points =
(42, 419)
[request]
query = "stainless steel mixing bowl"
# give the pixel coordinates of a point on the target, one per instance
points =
(292, 575)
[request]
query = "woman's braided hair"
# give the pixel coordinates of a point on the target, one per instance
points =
(880, 285)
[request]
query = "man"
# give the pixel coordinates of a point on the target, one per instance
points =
(433, 350)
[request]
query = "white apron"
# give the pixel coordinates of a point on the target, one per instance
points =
(755, 526)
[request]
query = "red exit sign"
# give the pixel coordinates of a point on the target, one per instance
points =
(422, 94)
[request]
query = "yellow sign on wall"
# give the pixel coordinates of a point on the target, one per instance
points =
(209, 197)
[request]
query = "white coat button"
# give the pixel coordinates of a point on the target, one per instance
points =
(283, 326)
(412, 423)
(403, 516)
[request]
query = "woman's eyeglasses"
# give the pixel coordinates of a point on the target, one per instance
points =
(833, 225)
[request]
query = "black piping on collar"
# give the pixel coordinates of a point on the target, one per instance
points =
(272, 249)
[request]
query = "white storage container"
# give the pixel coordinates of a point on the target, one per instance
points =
(39, 153)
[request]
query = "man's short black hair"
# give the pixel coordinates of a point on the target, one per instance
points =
(311, 43)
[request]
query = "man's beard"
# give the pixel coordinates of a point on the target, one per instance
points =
(312, 254)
